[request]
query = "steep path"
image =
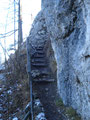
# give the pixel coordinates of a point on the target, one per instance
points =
(44, 84)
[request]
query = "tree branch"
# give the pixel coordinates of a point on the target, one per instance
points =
(4, 36)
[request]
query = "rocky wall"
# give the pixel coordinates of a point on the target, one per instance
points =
(67, 24)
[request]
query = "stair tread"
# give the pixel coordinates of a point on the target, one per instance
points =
(44, 80)
(40, 45)
(39, 64)
(40, 52)
(41, 76)
(38, 48)
(38, 56)
(38, 60)
(35, 62)
(40, 73)
(43, 70)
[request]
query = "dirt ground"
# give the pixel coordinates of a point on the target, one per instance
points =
(47, 93)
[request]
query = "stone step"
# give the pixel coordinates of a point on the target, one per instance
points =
(44, 80)
(40, 52)
(38, 56)
(41, 75)
(39, 64)
(44, 71)
(38, 61)
(39, 48)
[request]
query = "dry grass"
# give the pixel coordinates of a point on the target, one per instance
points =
(18, 81)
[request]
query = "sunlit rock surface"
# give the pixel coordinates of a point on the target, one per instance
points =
(38, 32)
(67, 24)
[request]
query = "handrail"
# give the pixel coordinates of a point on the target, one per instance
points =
(29, 74)
(29, 114)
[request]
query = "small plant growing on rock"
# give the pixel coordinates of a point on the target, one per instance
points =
(71, 113)
(59, 103)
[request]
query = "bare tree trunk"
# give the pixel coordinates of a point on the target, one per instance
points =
(20, 38)
(14, 25)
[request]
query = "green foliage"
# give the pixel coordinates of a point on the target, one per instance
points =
(77, 118)
(59, 103)
(72, 113)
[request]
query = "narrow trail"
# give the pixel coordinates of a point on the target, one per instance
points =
(47, 95)
(44, 84)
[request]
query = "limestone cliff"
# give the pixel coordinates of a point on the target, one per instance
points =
(66, 23)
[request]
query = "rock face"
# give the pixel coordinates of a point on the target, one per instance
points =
(38, 32)
(67, 24)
